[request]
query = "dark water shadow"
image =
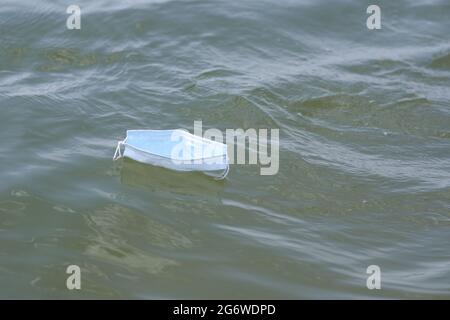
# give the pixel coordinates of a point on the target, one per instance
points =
(136, 174)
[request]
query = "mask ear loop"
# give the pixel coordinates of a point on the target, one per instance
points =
(118, 154)
(224, 174)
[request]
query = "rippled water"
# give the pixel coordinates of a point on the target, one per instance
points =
(364, 121)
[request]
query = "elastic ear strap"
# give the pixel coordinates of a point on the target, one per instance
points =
(224, 174)
(118, 154)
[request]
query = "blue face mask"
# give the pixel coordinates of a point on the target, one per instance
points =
(175, 149)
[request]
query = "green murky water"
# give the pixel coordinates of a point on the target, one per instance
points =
(364, 178)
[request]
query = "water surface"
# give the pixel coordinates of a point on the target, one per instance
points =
(364, 119)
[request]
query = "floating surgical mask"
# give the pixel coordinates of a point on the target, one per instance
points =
(176, 150)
